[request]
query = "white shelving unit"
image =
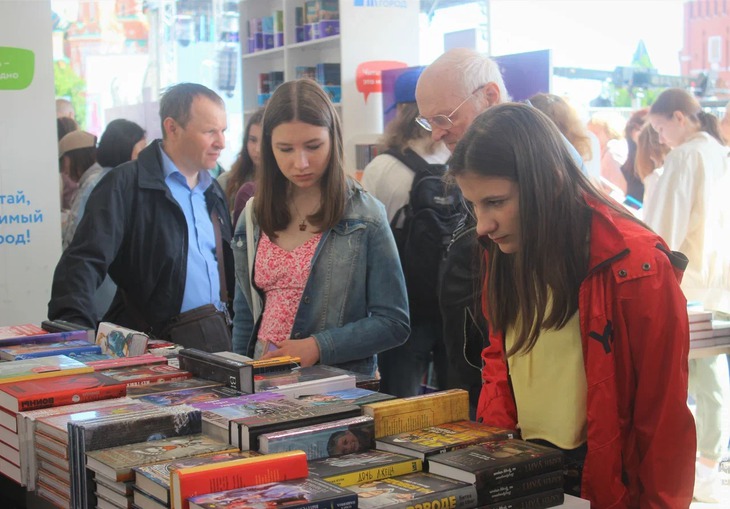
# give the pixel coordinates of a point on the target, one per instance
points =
(385, 31)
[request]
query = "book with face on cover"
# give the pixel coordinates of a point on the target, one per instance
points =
(419, 489)
(155, 479)
(116, 463)
(309, 493)
(425, 442)
(363, 466)
(402, 415)
(499, 462)
(189, 482)
(333, 438)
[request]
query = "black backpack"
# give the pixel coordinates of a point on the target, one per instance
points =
(423, 228)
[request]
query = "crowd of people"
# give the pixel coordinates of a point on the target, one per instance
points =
(559, 299)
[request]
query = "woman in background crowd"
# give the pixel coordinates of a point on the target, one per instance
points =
(567, 121)
(65, 125)
(634, 186)
(574, 285)
(608, 128)
(244, 168)
(317, 270)
(649, 161)
(689, 209)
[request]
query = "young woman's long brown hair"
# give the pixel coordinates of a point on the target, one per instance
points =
(243, 169)
(520, 143)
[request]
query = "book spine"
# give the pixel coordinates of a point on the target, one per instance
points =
(69, 352)
(462, 497)
(51, 337)
(376, 473)
(542, 500)
(235, 375)
(69, 397)
(493, 494)
(524, 469)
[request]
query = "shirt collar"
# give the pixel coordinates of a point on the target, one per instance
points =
(169, 168)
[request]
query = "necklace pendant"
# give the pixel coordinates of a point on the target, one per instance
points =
(302, 226)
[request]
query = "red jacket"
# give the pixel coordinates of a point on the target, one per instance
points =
(635, 336)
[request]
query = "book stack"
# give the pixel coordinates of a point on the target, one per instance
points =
(704, 332)
(299, 382)
(512, 472)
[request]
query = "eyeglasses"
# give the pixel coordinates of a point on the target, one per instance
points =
(443, 121)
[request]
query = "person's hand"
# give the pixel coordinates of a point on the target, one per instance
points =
(306, 349)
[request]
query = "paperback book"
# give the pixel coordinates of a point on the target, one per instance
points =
(45, 337)
(499, 462)
(137, 391)
(70, 348)
(541, 500)
(57, 391)
(511, 491)
(402, 415)
(20, 331)
(123, 362)
(116, 463)
(147, 374)
(299, 382)
(425, 442)
(363, 466)
(333, 438)
(235, 374)
(154, 479)
(356, 396)
(119, 341)
(309, 493)
(419, 489)
(41, 367)
(189, 482)
(190, 396)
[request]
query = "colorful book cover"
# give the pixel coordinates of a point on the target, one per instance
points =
(120, 341)
(424, 442)
(190, 396)
(333, 438)
(401, 415)
(30, 350)
(297, 494)
(62, 390)
(44, 337)
(123, 362)
(419, 489)
(116, 463)
(233, 373)
(147, 374)
(20, 331)
(137, 391)
(188, 482)
(355, 396)
(363, 466)
(41, 367)
(283, 414)
(496, 462)
(155, 479)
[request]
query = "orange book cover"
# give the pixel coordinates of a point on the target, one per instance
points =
(238, 473)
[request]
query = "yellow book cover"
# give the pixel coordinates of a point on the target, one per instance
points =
(357, 468)
(409, 414)
(41, 367)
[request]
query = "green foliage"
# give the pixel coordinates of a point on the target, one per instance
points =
(72, 86)
(623, 96)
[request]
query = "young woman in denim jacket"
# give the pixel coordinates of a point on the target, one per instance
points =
(317, 270)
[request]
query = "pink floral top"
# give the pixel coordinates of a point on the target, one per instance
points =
(282, 276)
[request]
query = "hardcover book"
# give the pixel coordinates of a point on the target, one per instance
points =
(190, 396)
(122, 362)
(363, 466)
(283, 363)
(57, 391)
(508, 492)
(356, 396)
(309, 493)
(542, 500)
(304, 381)
(147, 374)
(116, 463)
(120, 341)
(235, 374)
(154, 479)
(402, 415)
(498, 462)
(333, 438)
(31, 350)
(20, 331)
(425, 442)
(117, 499)
(419, 489)
(189, 482)
(41, 367)
(45, 337)
(280, 415)
(137, 391)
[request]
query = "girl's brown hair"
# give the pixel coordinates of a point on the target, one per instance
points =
(305, 101)
(650, 152)
(243, 169)
(567, 121)
(677, 99)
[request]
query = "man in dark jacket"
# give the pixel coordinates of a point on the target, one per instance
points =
(157, 226)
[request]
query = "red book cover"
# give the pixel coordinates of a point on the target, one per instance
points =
(59, 391)
(150, 374)
(19, 331)
(188, 482)
(123, 362)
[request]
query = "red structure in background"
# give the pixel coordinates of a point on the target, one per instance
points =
(706, 48)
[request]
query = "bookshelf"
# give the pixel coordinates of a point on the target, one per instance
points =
(373, 35)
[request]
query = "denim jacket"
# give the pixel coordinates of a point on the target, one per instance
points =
(354, 302)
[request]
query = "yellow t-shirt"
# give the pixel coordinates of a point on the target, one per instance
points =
(549, 385)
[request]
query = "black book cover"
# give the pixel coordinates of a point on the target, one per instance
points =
(492, 494)
(540, 500)
(236, 375)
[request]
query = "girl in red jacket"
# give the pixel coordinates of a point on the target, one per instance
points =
(588, 325)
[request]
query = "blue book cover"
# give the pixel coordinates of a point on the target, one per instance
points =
(69, 348)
